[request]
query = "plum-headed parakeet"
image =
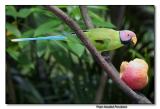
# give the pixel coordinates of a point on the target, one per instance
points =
(103, 39)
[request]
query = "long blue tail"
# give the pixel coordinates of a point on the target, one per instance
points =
(40, 38)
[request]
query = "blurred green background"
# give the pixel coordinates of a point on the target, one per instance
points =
(58, 72)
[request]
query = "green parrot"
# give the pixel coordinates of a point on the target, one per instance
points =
(103, 39)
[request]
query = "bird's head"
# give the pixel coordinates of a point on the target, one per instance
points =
(128, 37)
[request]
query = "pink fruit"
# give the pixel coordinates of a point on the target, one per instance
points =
(134, 73)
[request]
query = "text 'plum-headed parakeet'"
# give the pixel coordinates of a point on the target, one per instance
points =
(103, 39)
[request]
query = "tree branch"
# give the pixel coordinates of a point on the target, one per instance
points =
(107, 68)
(86, 18)
(100, 90)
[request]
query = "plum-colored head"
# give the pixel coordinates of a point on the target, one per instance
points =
(127, 37)
(134, 73)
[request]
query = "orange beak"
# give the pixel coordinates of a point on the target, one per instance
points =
(134, 40)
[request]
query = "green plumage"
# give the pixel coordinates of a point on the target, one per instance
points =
(104, 39)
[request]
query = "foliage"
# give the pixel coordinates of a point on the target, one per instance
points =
(65, 72)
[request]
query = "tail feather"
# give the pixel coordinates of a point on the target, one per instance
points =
(39, 38)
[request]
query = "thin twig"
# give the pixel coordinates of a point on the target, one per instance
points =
(86, 18)
(88, 22)
(100, 60)
(117, 16)
(100, 90)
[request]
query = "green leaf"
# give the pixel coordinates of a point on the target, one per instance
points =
(13, 29)
(95, 16)
(74, 11)
(24, 59)
(39, 10)
(11, 11)
(76, 48)
(41, 47)
(72, 39)
(135, 54)
(62, 6)
(103, 24)
(98, 21)
(99, 7)
(25, 34)
(60, 54)
(75, 45)
(28, 33)
(46, 27)
(23, 13)
(13, 53)
(27, 68)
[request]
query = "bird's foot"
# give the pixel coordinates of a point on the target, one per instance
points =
(106, 56)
